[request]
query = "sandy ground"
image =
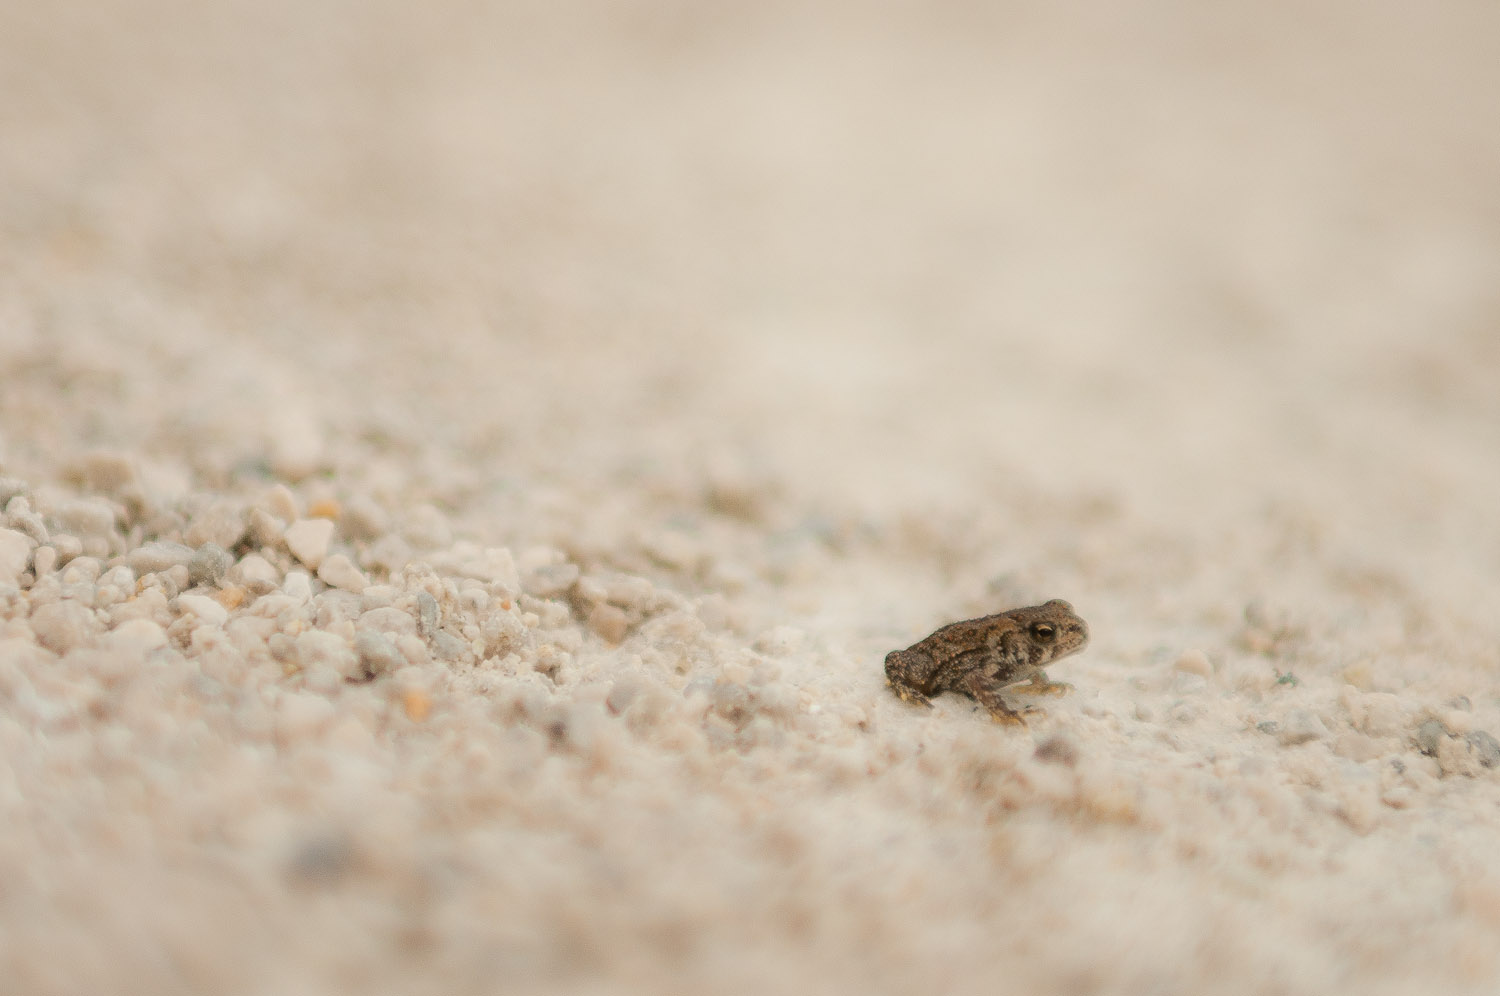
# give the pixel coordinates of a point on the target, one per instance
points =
(463, 465)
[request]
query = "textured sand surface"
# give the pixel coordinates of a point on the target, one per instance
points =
(462, 466)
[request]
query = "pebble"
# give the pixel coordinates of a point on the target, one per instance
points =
(365, 520)
(67, 547)
(378, 596)
(136, 636)
(257, 573)
(15, 551)
(86, 517)
(1194, 662)
(377, 655)
(390, 553)
(264, 528)
(209, 565)
(308, 539)
(158, 557)
(62, 626)
(609, 621)
(297, 585)
(83, 570)
(1429, 735)
(280, 502)
(207, 610)
(18, 515)
(44, 561)
(221, 524)
(295, 444)
(427, 614)
(1300, 727)
(340, 572)
(317, 646)
(1486, 748)
(388, 619)
(105, 472)
(550, 580)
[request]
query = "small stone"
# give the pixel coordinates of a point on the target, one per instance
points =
(1458, 721)
(448, 648)
(427, 614)
(86, 517)
(297, 585)
(364, 520)
(208, 611)
(257, 573)
(609, 621)
(265, 529)
(1194, 662)
(1457, 756)
(550, 580)
(378, 596)
(317, 646)
(221, 524)
(83, 570)
(209, 565)
(388, 619)
(63, 626)
(136, 636)
(158, 557)
(308, 539)
(621, 695)
(44, 561)
(325, 508)
(231, 596)
(15, 551)
(1300, 727)
(1381, 714)
(19, 516)
(1057, 749)
(412, 649)
(295, 443)
(280, 502)
(1429, 735)
(390, 553)
(340, 572)
(1486, 748)
(105, 472)
(377, 655)
(630, 592)
(67, 547)
(416, 703)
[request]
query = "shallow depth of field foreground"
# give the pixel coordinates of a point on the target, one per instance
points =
(463, 465)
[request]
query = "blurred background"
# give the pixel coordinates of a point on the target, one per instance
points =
(1078, 243)
(1200, 264)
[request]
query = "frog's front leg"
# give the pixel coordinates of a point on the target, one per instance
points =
(903, 673)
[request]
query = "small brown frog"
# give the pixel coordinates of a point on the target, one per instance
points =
(979, 657)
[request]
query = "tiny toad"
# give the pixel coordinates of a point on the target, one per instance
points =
(978, 657)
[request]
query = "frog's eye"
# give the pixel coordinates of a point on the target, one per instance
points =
(1043, 630)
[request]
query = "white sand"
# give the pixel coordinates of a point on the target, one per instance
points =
(619, 386)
